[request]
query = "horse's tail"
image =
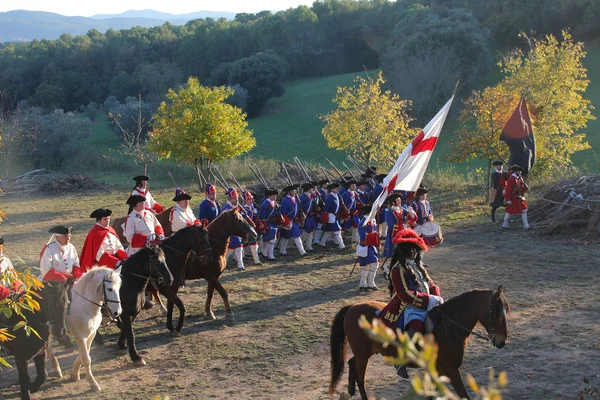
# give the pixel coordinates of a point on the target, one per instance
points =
(338, 343)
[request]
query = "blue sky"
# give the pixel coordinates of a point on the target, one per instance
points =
(88, 8)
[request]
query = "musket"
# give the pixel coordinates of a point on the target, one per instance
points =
(355, 262)
(203, 177)
(336, 170)
(290, 182)
(302, 170)
(236, 182)
(327, 176)
(314, 173)
(349, 170)
(222, 177)
(355, 165)
(173, 179)
(223, 185)
(256, 175)
(282, 177)
(261, 175)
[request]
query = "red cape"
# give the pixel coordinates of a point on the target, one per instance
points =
(91, 246)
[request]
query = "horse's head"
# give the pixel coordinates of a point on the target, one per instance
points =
(55, 299)
(237, 225)
(158, 269)
(111, 285)
(202, 245)
(495, 319)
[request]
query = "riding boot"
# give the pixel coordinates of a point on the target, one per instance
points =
(371, 277)
(239, 258)
(148, 304)
(337, 239)
(299, 246)
(283, 246)
(254, 252)
(318, 236)
(324, 238)
(402, 370)
(362, 285)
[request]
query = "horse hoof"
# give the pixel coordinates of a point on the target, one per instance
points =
(123, 352)
(96, 388)
(229, 318)
(55, 373)
(139, 363)
(344, 396)
(210, 316)
(175, 333)
(75, 378)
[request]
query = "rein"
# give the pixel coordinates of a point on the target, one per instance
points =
(149, 277)
(197, 239)
(103, 305)
(472, 332)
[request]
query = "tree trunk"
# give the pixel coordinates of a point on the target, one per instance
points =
(146, 168)
(198, 175)
(489, 177)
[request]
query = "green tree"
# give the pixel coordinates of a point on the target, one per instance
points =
(369, 124)
(196, 126)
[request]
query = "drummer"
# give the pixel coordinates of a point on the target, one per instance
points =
(422, 208)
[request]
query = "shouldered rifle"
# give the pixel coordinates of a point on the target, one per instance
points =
(336, 170)
(302, 170)
(290, 182)
(236, 182)
(349, 170)
(257, 176)
(223, 185)
(174, 183)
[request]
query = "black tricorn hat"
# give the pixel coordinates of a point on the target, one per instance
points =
(61, 230)
(516, 168)
(392, 197)
(1, 240)
(323, 182)
(134, 199)
(380, 177)
(497, 163)
(350, 182)
(421, 191)
(360, 183)
(270, 192)
(308, 185)
(290, 187)
(180, 194)
(141, 178)
(101, 213)
(333, 186)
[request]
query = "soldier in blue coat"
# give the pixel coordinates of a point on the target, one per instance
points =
(322, 190)
(381, 213)
(291, 209)
(209, 208)
(268, 215)
(252, 213)
(235, 242)
(350, 199)
(367, 250)
(308, 201)
(329, 218)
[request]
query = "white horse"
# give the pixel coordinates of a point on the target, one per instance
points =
(95, 295)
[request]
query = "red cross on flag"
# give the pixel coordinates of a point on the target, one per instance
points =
(412, 163)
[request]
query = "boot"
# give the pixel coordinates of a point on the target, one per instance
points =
(525, 220)
(362, 285)
(254, 252)
(318, 235)
(402, 370)
(337, 239)
(309, 241)
(283, 247)
(355, 237)
(300, 247)
(371, 277)
(324, 238)
(239, 258)
(271, 245)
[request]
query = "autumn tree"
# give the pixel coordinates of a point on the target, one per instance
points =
(196, 126)
(552, 79)
(369, 124)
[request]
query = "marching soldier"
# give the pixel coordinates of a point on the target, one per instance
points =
(350, 199)
(291, 209)
(252, 213)
(209, 208)
(102, 245)
(329, 218)
(268, 216)
(515, 197)
(322, 190)
(368, 247)
(383, 228)
(308, 201)
(141, 189)
(499, 179)
(235, 242)
(181, 214)
(59, 260)
(422, 207)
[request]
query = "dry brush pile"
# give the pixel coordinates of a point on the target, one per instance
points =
(43, 181)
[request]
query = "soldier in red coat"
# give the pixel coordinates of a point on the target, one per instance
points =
(102, 245)
(514, 196)
(413, 291)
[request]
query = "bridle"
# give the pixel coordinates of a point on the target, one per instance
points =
(207, 249)
(104, 303)
(488, 316)
(152, 267)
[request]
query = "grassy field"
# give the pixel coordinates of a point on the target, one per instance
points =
(278, 347)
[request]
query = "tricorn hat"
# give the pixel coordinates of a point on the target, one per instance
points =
(333, 186)
(380, 177)
(360, 183)
(420, 191)
(134, 199)
(290, 187)
(350, 182)
(392, 197)
(61, 230)
(101, 213)
(516, 168)
(270, 192)
(323, 182)
(495, 163)
(308, 185)
(180, 195)
(141, 178)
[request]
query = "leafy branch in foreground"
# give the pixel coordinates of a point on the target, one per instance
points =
(422, 351)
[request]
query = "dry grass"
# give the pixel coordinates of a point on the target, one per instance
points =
(278, 347)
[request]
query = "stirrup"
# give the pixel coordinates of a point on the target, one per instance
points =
(402, 371)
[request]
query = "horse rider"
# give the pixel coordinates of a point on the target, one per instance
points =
(397, 215)
(6, 268)
(368, 247)
(309, 203)
(181, 214)
(514, 197)
(252, 213)
(499, 179)
(268, 216)
(235, 242)
(141, 189)
(291, 209)
(58, 259)
(422, 208)
(102, 245)
(209, 208)
(322, 191)
(350, 199)
(413, 291)
(329, 218)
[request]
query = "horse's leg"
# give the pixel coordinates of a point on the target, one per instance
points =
(130, 335)
(360, 365)
(40, 367)
(170, 306)
(173, 298)
(122, 337)
(225, 297)
(87, 362)
(352, 376)
(208, 314)
(23, 376)
(55, 370)
(161, 306)
(456, 380)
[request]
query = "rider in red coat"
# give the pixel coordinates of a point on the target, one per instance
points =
(102, 245)
(514, 196)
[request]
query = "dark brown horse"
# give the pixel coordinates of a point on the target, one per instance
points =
(453, 323)
(229, 223)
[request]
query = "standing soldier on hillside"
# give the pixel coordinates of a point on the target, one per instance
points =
(291, 209)
(141, 189)
(209, 208)
(368, 248)
(499, 179)
(267, 215)
(515, 197)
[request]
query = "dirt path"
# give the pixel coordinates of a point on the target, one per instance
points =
(278, 347)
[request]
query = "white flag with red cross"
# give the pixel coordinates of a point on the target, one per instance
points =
(412, 163)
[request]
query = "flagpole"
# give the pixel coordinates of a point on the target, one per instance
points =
(455, 87)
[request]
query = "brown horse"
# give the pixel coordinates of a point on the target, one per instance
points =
(229, 223)
(453, 323)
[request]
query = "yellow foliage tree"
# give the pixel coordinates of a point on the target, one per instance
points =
(196, 126)
(369, 124)
(552, 79)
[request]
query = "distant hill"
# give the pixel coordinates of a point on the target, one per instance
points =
(21, 25)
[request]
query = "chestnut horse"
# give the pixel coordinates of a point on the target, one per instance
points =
(229, 223)
(453, 323)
